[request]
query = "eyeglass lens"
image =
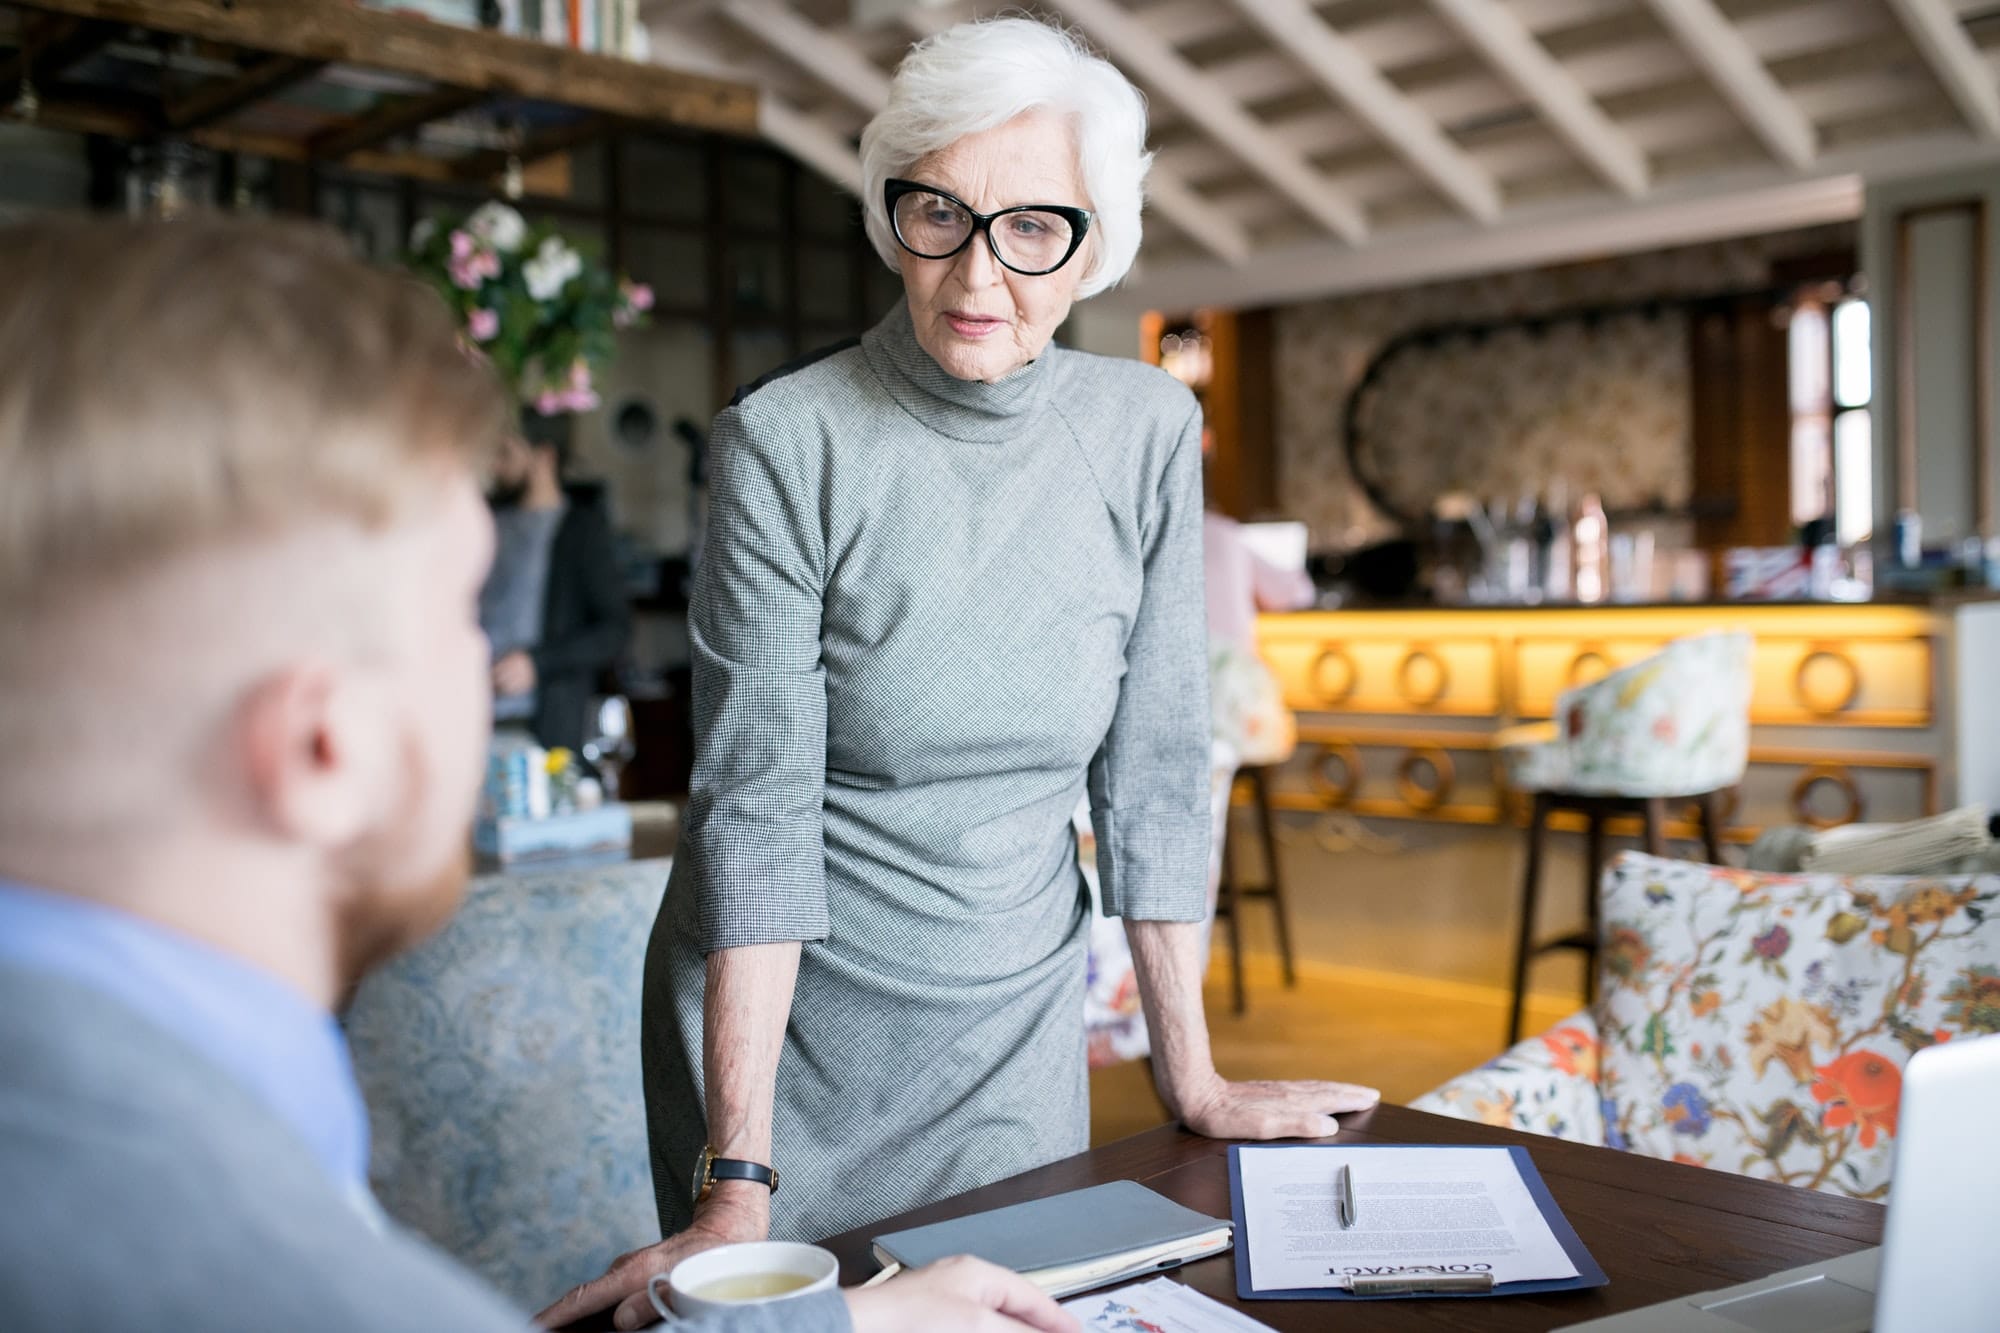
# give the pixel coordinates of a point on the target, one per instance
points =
(934, 227)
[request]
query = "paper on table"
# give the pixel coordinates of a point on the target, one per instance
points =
(1159, 1306)
(1456, 1210)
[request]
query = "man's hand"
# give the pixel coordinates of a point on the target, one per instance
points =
(958, 1294)
(730, 1214)
(514, 674)
(1220, 1109)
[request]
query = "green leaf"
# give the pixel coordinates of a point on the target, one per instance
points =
(1657, 1042)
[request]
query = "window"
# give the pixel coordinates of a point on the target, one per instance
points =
(1832, 387)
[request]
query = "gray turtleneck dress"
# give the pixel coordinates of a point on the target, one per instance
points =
(930, 614)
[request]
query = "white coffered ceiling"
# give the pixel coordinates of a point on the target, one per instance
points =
(1314, 146)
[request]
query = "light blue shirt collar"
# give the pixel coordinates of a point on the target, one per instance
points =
(277, 1044)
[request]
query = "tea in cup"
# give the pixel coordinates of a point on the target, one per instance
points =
(750, 1273)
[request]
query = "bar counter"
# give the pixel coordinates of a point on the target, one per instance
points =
(1861, 711)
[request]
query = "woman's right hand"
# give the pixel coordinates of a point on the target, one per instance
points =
(731, 1213)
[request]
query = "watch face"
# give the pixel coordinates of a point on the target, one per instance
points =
(701, 1165)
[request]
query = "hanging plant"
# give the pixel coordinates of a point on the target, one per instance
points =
(542, 308)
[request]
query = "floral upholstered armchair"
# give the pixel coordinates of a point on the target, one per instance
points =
(500, 1064)
(1757, 1023)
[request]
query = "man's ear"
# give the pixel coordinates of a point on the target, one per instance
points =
(313, 751)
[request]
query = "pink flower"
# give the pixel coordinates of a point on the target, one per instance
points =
(548, 403)
(483, 324)
(471, 261)
(634, 299)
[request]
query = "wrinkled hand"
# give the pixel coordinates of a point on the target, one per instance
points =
(514, 674)
(959, 1294)
(721, 1220)
(1264, 1109)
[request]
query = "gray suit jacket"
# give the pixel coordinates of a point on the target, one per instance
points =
(142, 1189)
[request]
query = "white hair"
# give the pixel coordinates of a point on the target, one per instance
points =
(980, 75)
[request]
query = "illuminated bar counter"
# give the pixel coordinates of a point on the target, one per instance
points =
(1876, 711)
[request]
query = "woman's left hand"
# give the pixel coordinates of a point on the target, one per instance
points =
(1264, 1109)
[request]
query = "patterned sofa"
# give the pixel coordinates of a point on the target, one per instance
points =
(500, 1063)
(1754, 1022)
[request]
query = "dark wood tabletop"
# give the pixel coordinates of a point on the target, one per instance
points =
(1658, 1229)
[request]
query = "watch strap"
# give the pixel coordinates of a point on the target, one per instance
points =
(735, 1168)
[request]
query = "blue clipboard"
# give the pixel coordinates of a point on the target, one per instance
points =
(1588, 1273)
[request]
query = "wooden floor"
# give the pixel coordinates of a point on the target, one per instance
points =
(1402, 1035)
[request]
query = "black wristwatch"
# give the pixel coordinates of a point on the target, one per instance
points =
(712, 1168)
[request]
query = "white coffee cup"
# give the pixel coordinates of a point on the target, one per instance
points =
(730, 1276)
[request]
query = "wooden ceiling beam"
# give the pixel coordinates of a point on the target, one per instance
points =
(403, 116)
(490, 162)
(1139, 51)
(223, 98)
(489, 62)
(813, 142)
(51, 47)
(1505, 43)
(1293, 27)
(826, 55)
(1967, 78)
(122, 122)
(1727, 61)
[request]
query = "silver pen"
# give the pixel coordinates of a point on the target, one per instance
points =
(1420, 1284)
(1344, 1182)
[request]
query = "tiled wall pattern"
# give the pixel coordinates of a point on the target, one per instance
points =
(1605, 408)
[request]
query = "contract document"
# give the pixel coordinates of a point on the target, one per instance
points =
(1416, 1211)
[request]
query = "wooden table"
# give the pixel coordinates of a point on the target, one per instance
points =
(1657, 1228)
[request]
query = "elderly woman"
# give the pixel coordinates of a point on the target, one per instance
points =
(952, 580)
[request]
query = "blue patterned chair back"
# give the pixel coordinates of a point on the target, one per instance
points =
(500, 1062)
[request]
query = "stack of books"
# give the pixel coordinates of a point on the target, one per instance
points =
(606, 27)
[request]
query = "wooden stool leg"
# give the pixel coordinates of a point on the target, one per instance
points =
(1230, 905)
(1711, 832)
(1656, 823)
(1260, 783)
(1593, 872)
(1525, 943)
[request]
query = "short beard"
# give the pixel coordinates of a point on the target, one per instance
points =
(377, 914)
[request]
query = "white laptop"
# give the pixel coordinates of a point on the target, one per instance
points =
(1938, 1269)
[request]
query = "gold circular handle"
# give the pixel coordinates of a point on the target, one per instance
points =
(1821, 704)
(1407, 684)
(1591, 663)
(1337, 795)
(1335, 657)
(1833, 775)
(1443, 773)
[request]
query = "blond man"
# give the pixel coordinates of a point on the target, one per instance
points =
(243, 710)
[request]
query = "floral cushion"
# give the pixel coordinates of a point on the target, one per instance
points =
(1676, 724)
(1760, 1023)
(1544, 1085)
(500, 1063)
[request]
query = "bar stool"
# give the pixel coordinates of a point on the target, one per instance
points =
(1232, 893)
(1674, 728)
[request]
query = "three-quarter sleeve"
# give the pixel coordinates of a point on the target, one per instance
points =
(1149, 780)
(754, 801)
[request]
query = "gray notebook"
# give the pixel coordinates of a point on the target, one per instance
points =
(1070, 1242)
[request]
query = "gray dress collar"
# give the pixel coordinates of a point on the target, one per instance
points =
(961, 409)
